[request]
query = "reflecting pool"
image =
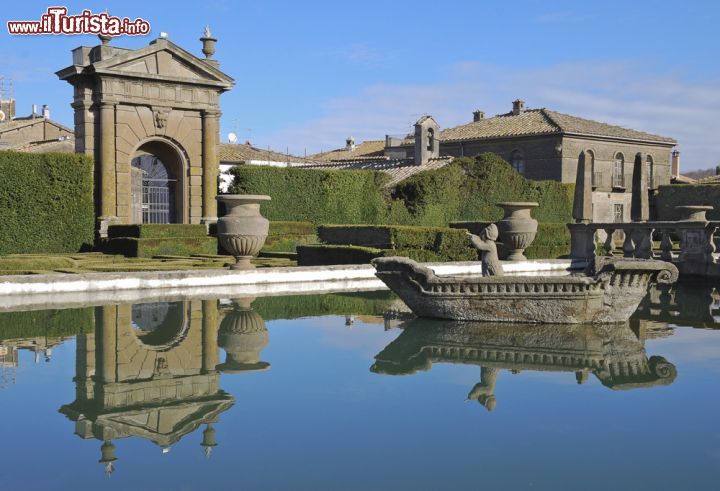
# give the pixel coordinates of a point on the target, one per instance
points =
(349, 391)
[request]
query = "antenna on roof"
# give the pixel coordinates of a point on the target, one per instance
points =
(232, 137)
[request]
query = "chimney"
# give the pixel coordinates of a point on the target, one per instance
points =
(350, 144)
(34, 110)
(45, 111)
(518, 106)
(478, 115)
(675, 164)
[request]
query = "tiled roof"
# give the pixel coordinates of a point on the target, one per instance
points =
(62, 146)
(397, 169)
(243, 152)
(367, 149)
(540, 122)
(28, 121)
(709, 180)
(573, 124)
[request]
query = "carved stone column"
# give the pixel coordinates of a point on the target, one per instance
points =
(108, 185)
(210, 164)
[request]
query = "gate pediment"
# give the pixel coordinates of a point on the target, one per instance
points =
(163, 60)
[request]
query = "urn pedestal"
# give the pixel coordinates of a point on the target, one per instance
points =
(517, 229)
(693, 213)
(243, 230)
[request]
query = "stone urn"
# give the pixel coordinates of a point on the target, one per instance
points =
(243, 335)
(693, 213)
(517, 229)
(243, 230)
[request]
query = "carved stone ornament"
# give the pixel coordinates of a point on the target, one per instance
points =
(161, 117)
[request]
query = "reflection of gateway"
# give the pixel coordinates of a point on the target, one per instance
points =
(148, 372)
(609, 291)
(613, 354)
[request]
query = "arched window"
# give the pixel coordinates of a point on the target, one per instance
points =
(619, 171)
(517, 160)
(650, 171)
(430, 139)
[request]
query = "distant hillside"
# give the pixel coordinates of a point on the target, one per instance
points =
(699, 174)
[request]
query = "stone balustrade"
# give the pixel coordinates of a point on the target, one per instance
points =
(637, 239)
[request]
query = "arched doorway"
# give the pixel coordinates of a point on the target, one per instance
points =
(158, 183)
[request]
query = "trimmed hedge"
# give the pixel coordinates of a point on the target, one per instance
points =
(470, 188)
(465, 189)
(46, 202)
(674, 195)
(296, 306)
(449, 243)
(285, 236)
(326, 254)
(317, 196)
(157, 231)
(34, 263)
(51, 323)
(358, 244)
(179, 246)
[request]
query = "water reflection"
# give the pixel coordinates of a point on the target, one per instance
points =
(151, 371)
(614, 354)
(690, 304)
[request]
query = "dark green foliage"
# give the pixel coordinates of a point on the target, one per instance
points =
(281, 228)
(177, 246)
(470, 188)
(674, 195)
(34, 263)
(358, 244)
(317, 196)
(324, 254)
(439, 243)
(157, 231)
(466, 189)
(286, 236)
(293, 307)
(51, 323)
(46, 202)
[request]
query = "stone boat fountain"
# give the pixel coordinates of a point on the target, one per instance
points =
(608, 291)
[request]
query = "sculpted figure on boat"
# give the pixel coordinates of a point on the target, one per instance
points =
(608, 291)
(485, 243)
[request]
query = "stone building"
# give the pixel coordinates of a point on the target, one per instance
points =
(155, 109)
(545, 144)
(34, 133)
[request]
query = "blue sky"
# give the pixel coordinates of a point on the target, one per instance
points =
(308, 74)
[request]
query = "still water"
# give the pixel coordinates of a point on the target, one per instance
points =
(346, 391)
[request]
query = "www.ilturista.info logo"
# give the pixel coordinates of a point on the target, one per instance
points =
(57, 21)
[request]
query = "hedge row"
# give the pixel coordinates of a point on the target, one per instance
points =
(296, 306)
(687, 194)
(317, 196)
(285, 236)
(466, 189)
(46, 202)
(51, 323)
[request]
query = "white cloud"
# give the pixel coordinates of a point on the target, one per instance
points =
(631, 94)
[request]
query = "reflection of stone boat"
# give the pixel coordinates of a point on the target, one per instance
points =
(608, 291)
(612, 353)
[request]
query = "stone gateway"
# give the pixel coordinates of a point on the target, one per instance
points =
(150, 118)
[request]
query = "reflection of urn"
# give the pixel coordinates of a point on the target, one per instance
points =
(517, 228)
(243, 335)
(243, 230)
